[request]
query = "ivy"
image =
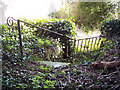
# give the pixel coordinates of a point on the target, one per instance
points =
(30, 73)
(111, 28)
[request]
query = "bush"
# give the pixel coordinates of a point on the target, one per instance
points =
(89, 15)
(64, 27)
(20, 74)
(111, 28)
(62, 13)
(32, 41)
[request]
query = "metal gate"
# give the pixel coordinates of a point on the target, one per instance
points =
(66, 48)
(79, 45)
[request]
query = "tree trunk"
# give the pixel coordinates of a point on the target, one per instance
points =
(119, 10)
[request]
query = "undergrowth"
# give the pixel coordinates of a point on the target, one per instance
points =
(30, 73)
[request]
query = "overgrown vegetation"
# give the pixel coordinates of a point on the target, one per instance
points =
(30, 73)
(84, 14)
(111, 30)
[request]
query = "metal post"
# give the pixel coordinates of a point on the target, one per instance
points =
(21, 49)
(65, 47)
(69, 49)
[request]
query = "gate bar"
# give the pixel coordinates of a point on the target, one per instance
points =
(20, 40)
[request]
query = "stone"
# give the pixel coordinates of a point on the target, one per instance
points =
(55, 64)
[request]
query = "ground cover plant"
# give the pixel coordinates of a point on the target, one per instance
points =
(30, 73)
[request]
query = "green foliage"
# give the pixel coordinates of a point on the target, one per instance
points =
(30, 73)
(31, 43)
(38, 46)
(111, 29)
(62, 14)
(65, 27)
(37, 80)
(89, 15)
(9, 42)
(35, 48)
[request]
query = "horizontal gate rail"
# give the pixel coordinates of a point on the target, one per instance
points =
(42, 28)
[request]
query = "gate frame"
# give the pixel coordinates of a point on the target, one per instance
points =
(10, 22)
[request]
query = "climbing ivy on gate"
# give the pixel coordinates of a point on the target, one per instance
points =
(64, 27)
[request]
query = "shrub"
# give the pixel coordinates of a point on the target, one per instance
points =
(65, 27)
(89, 15)
(111, 28)
(31, 36)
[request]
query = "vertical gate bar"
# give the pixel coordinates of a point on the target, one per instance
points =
(85, 43)
(74, 47)
(20, 40)
(81, 45)
(65, 48)
(98, 42)
(69, 51)
(88, 43)
(77, 45)
(95, 42)
(91, 44)
(102, 43)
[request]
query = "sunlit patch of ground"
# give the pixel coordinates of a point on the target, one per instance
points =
(81, 34)
(54, 64)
